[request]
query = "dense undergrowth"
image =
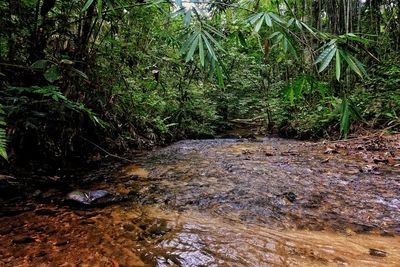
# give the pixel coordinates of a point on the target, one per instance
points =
(80, 78)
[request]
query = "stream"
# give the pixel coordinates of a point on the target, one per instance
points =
(220, 202)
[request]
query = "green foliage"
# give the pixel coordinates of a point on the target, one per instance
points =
(202, 41)
(157, 71)
(340, 48)
(3, 137)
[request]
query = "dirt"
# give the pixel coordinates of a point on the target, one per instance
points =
(227, 202)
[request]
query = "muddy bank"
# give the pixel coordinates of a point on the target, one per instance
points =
(225, 202)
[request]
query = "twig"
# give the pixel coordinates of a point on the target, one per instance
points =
(105, 151)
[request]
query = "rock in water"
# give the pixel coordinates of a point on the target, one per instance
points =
(377, 252)
(93, 195)
(23, 240)
(87, 197)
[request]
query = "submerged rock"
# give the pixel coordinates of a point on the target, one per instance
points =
(377, 252)
(96, 198)
(23, 240)
(87, 197)
(290, 196)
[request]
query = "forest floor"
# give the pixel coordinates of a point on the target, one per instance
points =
(221, 202)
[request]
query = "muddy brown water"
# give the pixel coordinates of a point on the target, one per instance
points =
(266, 202)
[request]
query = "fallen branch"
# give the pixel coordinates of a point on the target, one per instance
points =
(105, 151)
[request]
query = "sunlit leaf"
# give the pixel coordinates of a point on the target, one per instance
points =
(87, 5)
(324, 54)
(307, 27)
(100, 8)
(276, 18)
(290, 22)
(268, 20)
(188, 16)
(252, 20)
(327, 59)
(338, 65)
(258, 25)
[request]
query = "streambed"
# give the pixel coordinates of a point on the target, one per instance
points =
(224, 202)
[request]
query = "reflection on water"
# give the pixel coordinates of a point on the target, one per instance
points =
(222, 203)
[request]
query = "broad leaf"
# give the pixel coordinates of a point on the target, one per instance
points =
(52, 74)
(40, 64)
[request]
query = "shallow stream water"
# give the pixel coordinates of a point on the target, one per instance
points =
(226, 202)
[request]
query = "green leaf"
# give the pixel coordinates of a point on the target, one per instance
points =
(299, 25)
(290, 22)
(80, 73)
(242, 39)
(285, 44)
(338, 65)
(291, 95)
(354, 110)
(344, 118)
(201, 51)
(220, 77)
(188, 42)
(3, 140)
(353, 37)
(268, 20)
(213, 30)
(110, 5)
(330, 43)
(274, 35)
(360, 66)
(188, 16)
(276, 17)
(307, 27)
(87, 5)
(40, 64)
(254, 18)
(350, 61)
(3, 153)
(327, 60)
(52, 74)
(216, 43)
(324, 54)
(193, 48)
(100, 8)
(209, 48)
(67, 61)
(290, 47)
(258, 25)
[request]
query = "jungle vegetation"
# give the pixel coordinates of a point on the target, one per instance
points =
(80, 75)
